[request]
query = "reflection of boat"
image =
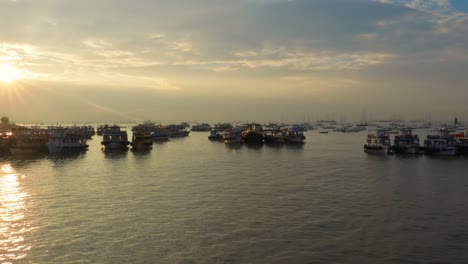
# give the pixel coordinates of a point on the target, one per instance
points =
(28, 140)
(141, 138)
(377, 143)
(62, 139)
(201, 127)
(406, 143)
(115, 138)
(442, 144)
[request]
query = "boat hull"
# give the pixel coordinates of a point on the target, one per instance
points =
(54, 148)
(115, 145)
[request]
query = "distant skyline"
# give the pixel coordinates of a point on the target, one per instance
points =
(244, 60)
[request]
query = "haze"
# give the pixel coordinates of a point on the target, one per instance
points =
(224, 60)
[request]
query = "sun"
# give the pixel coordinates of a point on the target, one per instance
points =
(8, 73)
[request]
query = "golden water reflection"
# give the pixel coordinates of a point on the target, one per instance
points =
(12, 209)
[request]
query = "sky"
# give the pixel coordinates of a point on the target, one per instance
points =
(224, 60)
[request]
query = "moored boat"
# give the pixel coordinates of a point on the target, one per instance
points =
(215, 135)
(141, 138)
(231, 136)
(253, 134)
(63, 139)
(28, 140)
(442, 144)
(378, 143)
(406, 143)
(293, 134)
(115, 137)
(203, 127)
(273, 136)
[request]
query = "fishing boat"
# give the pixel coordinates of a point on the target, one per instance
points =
(406, 143)
(378, 142)
(141, 138)
(63, 139)
(115, 137)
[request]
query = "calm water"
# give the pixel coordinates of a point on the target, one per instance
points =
(195, 201)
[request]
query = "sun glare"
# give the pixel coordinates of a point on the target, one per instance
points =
(8, 73)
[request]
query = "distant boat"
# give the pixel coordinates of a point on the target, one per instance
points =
(203, 127)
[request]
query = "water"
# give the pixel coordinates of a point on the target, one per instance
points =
(195, 201)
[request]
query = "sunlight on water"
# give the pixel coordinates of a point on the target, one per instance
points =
(12, 207)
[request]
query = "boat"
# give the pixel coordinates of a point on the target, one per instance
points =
(293, 134)
(461, 142)
(222, 126)
(141, 138)
(5, 141)
(215, 135)
(442, 144)
(252, 134)
(63, 139)
(273, 136)
(115, 137)
(29, 140)
(406, 143)
(177, 131)
(378, 143)
(101, 129)
(203, 127)
(231, 136)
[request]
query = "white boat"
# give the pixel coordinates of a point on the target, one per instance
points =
(115, 137)
(378, 143)
(63, 139)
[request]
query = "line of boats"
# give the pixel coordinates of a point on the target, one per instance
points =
(256, 134)
(444, 143)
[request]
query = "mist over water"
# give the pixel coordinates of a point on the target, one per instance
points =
(195, 201)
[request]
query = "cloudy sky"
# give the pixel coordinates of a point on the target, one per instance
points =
(224, 60)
